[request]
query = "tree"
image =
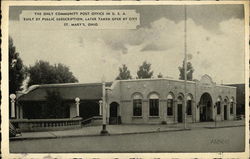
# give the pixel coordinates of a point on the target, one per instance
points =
(160, 75)
(144, 71)
(124, 73)
(44, 73)
(190, 71)
(16, 69)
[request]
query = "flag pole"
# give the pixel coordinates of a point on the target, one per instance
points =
(185, 67)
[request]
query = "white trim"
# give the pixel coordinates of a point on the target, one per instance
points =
(154, 96)
(137, 96)
(170, 96)
(226, 86)
(158, 79)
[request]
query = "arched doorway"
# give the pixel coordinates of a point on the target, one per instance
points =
(113, 113)
(206, 107)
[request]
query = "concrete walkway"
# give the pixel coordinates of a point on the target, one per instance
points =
(125, 129)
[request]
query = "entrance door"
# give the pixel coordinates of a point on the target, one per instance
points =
(225, 112)
(179, 113)
(113, 112)
(203, 113)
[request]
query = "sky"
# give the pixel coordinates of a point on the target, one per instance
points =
(215, 39)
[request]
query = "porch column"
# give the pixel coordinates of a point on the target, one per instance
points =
(77, 99)
(13, 97)
(100, 108)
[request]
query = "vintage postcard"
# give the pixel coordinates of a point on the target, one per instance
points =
(128, 80)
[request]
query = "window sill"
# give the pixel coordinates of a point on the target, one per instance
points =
(137, 117)
(170, 116)
(154, 116)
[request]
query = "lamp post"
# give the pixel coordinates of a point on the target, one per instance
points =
(104, 110)
(77, 99)
(12, 97)
(100, 107)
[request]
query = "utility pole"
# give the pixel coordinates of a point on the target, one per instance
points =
(185, 66)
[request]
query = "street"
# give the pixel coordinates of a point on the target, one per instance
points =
(196, 140)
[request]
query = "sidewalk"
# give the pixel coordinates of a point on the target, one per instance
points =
(125, 129)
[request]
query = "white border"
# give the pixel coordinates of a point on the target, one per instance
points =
(4, 84)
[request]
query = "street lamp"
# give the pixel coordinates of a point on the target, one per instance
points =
(104, 110)
(12, 97)
(77, 99)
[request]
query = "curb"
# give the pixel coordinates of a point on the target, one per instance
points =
(92, 135)
(224, 126)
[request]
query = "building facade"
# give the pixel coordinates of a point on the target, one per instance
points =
(162, 100)
(140, 101)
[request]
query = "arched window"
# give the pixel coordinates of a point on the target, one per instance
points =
(154, 105)
(231, 105)
(170, 104)
(189, 105)
(137, 105)
(218, 105)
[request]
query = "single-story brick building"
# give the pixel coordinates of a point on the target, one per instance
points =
(138, 101)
